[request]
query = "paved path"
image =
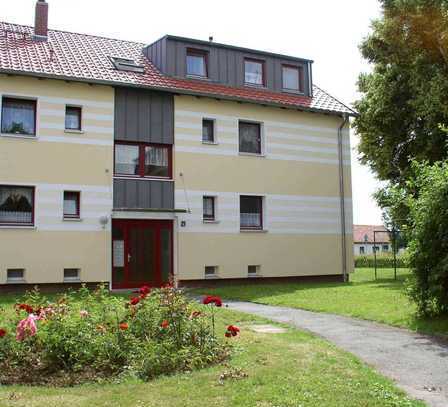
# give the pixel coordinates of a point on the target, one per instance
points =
(417, 363)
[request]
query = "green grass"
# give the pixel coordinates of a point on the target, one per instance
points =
(382, 300)
(284, 370)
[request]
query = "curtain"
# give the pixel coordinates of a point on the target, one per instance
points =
(126, 159)
(156, 161)
(290, 78)
(253, 72)
(250, 211)
(249, 138)
(16, 204)
(71, 204)
(208, 207)
(196, 65)
(72, 118)
(18, 116)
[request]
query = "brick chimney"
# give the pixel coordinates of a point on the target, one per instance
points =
(41, 21)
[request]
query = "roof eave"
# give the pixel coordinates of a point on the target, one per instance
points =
(177, 91)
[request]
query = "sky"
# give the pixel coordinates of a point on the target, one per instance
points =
(326, 31)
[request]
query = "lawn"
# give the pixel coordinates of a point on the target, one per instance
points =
(289, 369)
(382, 300)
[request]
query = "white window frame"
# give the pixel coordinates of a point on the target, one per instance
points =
(15, 280)
(257, 271)
(215, 132)
(264, 213)
(71, 279)
(24, 97)
(215, 199)
(262, 138)
(211, 276)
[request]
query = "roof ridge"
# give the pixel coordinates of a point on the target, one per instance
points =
(337, 100)
(78, 33)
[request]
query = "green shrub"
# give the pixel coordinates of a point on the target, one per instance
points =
(382, 261)
(85, 336)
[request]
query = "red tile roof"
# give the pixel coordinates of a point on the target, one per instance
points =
(84, 57)
(361, 231)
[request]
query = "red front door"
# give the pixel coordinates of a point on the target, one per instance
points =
(141, 253)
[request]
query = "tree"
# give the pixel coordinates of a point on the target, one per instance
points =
(405, 98)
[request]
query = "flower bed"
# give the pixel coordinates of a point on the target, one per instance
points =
(85, 336)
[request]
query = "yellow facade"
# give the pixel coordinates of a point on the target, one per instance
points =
(297, 175)
(55, 161)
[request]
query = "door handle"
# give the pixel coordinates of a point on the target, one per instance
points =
(129, 257)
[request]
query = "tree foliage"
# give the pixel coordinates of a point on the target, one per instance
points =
(405, 98)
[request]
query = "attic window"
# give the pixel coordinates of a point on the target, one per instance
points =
(124, 64)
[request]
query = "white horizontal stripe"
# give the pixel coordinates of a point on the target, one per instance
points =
(76, 140)
(313, 139)
(306, 198)
(233, 119)
(89, 129)
(293, 147)
(85, 115)
(307, 209)
(74, 226)
(198, 138)
(205, 150)
(58, 187)
(76, 102)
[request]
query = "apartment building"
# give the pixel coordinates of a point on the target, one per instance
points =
(181, 160)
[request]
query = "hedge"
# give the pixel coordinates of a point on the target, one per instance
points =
(382, 261)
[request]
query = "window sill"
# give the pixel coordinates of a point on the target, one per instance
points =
(210, 143)
(210, 221)
(72, 219)
(253, 276)
(143, 178)
(18, 281)
(18, 227)
(293, 92)
(253, 231)
(21, 136)
(200, 78)
(74, 280)
(252, 155)
(255, 85)
(214, 277)
(73, 131)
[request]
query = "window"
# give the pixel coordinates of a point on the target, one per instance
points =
(71, 204)
(19, 116)
(251, 212)
(143, 160)
(254, 72)
(208, 208)
(210, 271)
(13, 275)
(250, 137)
(197, 63)
(16, 205)
(73, 118)
(361, 250)
(376, 248)
(71, 275)
(385, 247)
(292, 78)
(253, 271)
(125, 64)
(208, 131)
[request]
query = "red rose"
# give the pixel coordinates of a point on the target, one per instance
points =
(134, 300)
(2, 332)
(164, 324)
(27, 308)
(195, 314)
(212, 299)
(123, 326)
(232, 330)
(143, 291)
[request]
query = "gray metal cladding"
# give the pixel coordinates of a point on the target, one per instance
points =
(143, 194)
(144, 116)
(225, 65)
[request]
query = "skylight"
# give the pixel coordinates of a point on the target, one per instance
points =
(125, 64)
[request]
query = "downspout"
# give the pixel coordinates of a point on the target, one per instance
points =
(342, 197)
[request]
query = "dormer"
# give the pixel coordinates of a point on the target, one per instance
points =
(229, 65)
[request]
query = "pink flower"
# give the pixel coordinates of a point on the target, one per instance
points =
(83, 313)
(26, 327)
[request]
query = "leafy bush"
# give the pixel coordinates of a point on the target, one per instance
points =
(85, 336)
(382, 261)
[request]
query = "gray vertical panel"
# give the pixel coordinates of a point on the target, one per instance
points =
(168, 195)
(180, 59)
(131, 121)
(168, 120)
(143, 194)
(144, 123)
(170, 58)
(156, 118)
(213, 70)
(120, 114)
(156, 195)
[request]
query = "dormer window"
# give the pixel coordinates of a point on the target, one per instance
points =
(196, 63)
(125, 64)
(253, 72)
(292, 77)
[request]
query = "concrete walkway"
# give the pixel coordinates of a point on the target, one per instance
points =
(417, 363)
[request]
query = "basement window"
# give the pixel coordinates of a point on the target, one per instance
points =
(211, 271)
(253, 271)
(71, 275)
(125, 64)
(15, 275)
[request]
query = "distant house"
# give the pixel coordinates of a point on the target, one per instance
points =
(364, 242)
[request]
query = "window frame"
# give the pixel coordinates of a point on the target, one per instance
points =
(141, 160)
(215, 272)
(257, 270)
(300, 75)
(263, 72)
(71, 279)
(79, 108)
(198, 53)
(78, 205)
(18, 98)
(362, 250)
(22, 224)
(213, 218)
(15, 280)
(261, 215)
(213, 124)
(260, 137)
